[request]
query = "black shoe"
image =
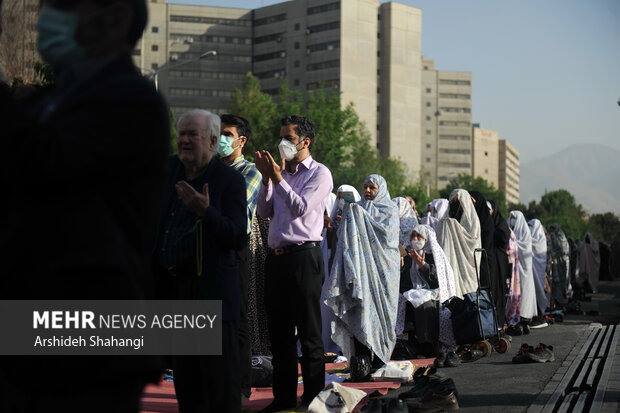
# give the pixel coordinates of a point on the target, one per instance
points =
(452, 360)
(276, 406)
(375, 406)
(396, 406)
(440, 360)
(420, 385)
(360, 368)
(515, 330)
(523, 355)
(432, 402)
(526, 329)
(469, 355)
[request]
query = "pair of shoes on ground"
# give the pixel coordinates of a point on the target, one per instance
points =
(539, 322)
(447, 360)
(468, 354)
(528, 354)
(387, 405)
(437, 394)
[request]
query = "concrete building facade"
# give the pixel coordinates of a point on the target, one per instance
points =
(446, 124)
(175, 38)
(368, 52)
(509, 171)
(485, 158)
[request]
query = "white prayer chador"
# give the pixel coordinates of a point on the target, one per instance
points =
(539, 263)
(344, 188)
(445, 279)
(516, 222)
(363, 286)
(459, 239)
(439, 210)
(408, 220)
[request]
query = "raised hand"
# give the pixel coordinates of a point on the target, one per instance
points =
(194, 200)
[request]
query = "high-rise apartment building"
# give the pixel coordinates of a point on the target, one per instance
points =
(175, 38)
(509, 171)
(485, 158)
(369, 52)
(446, 124)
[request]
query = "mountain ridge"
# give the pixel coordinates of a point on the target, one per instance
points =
(591, 172)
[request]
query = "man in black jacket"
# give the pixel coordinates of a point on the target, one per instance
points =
(82, 179)
(203, 222)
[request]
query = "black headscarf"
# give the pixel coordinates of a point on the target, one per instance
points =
(487, 226)
(502, 231)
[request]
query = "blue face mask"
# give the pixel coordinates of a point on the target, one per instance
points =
(224, 146)
(57, 41)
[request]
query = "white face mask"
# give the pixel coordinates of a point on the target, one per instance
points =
(287, 149)
(341, 203)
(418, 244)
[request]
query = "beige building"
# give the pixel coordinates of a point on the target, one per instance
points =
(509, 171)
(18, 41)
(485, 159)
(446, 124)
(174, 40)
(367, 51)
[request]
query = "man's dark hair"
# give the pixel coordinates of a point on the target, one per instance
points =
(304, 127)
(242, 125)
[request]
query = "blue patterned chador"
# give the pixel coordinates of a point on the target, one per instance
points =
(363, 289)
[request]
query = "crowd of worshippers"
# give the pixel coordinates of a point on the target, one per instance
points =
(96, 209)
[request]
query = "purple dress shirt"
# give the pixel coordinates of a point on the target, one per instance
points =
(296, 205)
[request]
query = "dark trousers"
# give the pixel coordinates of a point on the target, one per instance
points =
(210, 383)
(245, 347)
(292, 293)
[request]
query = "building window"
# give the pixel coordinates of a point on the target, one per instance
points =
(154, 29)
(323, 65)
(296, 45)
(323, 27)
(270, 19)
(428, 146)
(154, 48)
(428, 159)
(428, 104)
(154, 66)
(296, 82)
(428, 90)
(323, 8)
(425, 67)
(378, 53)
(378, 108)
(296, 63)
(428, 118)
(486, 153)
(296, 26)
(428, 131)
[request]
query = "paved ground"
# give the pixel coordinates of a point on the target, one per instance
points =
(494, 384)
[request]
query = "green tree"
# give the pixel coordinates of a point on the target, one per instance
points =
(604, 227)
(480, 184)
(559, 206)
(262, 113)
(342, 141)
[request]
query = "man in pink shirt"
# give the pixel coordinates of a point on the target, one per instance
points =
(293, 194)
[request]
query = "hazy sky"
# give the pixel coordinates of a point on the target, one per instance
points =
(546, 74)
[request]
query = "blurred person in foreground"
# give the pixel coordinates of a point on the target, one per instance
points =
(84, 179)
